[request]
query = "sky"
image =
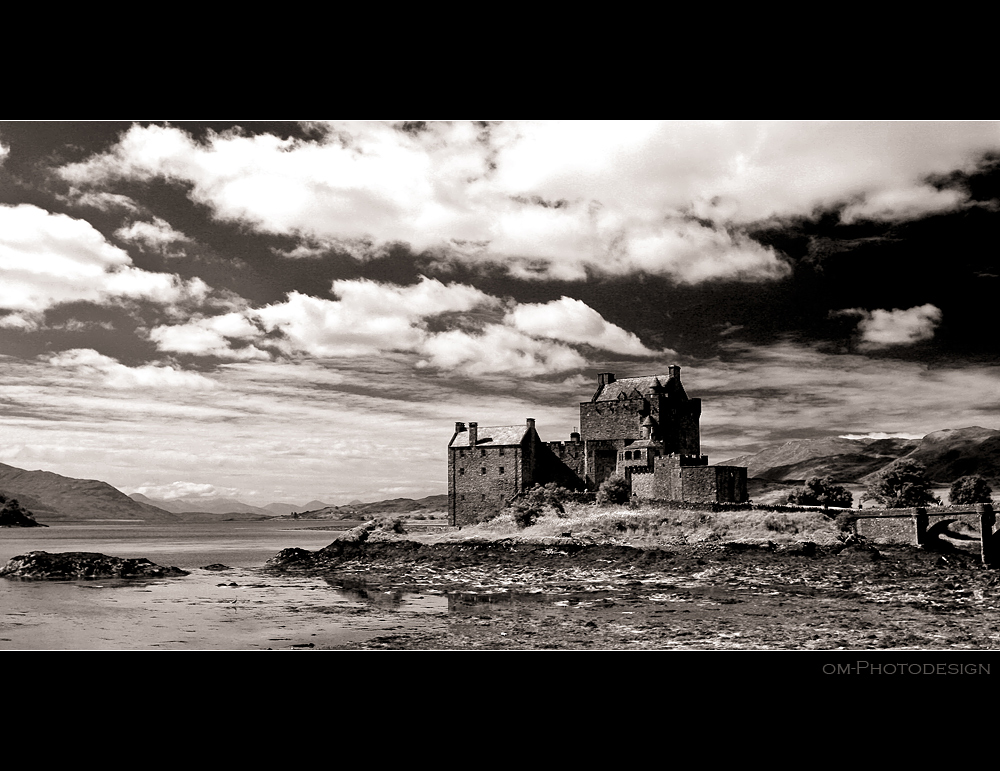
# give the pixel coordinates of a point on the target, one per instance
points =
(299, 311)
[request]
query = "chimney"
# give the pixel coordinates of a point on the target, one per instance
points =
(473, 434)
(531, 423)
(674, 371)
(459, 427)
(605, 378)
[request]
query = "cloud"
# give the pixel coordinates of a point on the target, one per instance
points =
(497, 351)
(453, 327)
(102, 200)
(557, 200)
(87, 361)
(210, 336)
(573, 321)
(882, 328)
(368, 317)
(4, 152)
(158, 236)
(176, 490)
(47, 259)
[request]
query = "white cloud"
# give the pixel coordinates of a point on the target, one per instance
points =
(157, 235)
(453, 327)
(47, 259)
(573, 321)
(561, 199)
(102, 200)
(207, 336)
(497, 351)
(176, 490)
(89, 362)
(882, 328)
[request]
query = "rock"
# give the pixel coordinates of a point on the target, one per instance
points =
(216, 566)
(357, 534)
(71, 565)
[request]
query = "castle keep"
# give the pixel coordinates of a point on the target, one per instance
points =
(643, 428)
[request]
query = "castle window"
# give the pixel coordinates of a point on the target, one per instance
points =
(482, 453)
(501, 450)
(501, 469)
(483, 470)
(461, 497)
(461, 472)
(628, 455)
(484, 496)
(461, 453)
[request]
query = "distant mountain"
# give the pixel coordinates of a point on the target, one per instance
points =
(51, 496)
(947, 454)
(204, 506)
(432, 503)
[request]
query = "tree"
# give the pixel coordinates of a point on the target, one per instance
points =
(614, 490)
(971, 489)
(821, 491)
(901, 484)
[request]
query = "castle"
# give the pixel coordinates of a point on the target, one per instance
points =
(643, 428)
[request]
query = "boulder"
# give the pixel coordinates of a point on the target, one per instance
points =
(71, 565)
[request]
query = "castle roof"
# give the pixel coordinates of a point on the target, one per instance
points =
(493, 436)
(640, 443)
(635, 387)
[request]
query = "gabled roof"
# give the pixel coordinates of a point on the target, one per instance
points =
(634, 387)
(492, 436)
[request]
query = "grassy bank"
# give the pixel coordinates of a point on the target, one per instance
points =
(652, 525)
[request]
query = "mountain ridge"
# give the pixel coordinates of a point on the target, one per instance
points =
(947, 454)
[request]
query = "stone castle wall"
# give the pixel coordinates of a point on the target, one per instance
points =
(484, 479)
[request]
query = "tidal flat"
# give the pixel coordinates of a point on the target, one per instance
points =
(450, 590)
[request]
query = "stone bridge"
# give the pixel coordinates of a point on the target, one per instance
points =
(922, 527)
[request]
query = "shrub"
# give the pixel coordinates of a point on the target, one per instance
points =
(536, 501)
(614, 490)
(821, 491)
(971, 489)
(392, 525)
(901, 484)
(844, 522)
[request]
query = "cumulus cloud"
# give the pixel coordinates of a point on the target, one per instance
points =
(573, 321)
(368, 317)
(47, 259)
(453, 327)
(559, 199)
(883, 328)
(158, 236)
(88, 362)
(497, 350)
(211, 336)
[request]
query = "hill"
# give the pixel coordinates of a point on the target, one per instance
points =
(51, 496)
(432, 503)
(947, 454)
(217, 506)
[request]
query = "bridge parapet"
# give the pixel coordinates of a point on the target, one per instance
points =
(920, 526)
